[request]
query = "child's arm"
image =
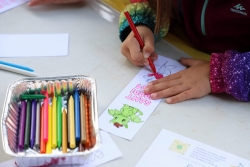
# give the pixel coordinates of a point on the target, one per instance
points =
(141, 14)
(144, 18)
(230, 73)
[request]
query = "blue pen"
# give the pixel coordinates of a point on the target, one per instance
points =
(77, 116)
(16, 66)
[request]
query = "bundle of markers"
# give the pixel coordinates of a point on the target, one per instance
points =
(55, 117)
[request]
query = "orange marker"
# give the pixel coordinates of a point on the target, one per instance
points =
(87, 128)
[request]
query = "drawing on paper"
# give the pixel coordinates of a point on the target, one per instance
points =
(164, 70)
(179, 147)
(125, 115)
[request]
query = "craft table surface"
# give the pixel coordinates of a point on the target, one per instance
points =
(94, 49)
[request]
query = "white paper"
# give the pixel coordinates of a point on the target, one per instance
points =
(132, 95)
(107, 152)
(9, 4)
(33, 45)
(173, 150)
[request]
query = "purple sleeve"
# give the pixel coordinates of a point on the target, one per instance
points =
(230, 73)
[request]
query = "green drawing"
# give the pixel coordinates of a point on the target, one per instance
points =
(125, 115)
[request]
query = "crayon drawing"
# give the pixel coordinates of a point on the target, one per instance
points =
(125, 115)
(165, 69)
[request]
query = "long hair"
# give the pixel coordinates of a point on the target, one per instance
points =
(163, 12)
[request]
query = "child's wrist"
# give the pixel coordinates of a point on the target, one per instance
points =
(216, 78)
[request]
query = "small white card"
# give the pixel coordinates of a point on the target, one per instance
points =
(173, 150)
(9, 4)
(33, 45)
(131, 108)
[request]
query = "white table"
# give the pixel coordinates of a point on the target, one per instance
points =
(94, 48)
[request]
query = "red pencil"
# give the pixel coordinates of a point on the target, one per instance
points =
(137, 36)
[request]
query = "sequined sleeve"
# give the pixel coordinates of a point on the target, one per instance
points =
(230, 73)
(141, 14)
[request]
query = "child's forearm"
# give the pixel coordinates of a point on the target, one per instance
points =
(230, 73)
(141, 13)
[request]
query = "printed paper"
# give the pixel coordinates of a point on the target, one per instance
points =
(171, 150)
(131, 108)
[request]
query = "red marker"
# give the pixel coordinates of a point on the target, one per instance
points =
(137, 36)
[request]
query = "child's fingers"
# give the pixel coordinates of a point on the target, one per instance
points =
(161, 86)
(180, 97)
(126, 52)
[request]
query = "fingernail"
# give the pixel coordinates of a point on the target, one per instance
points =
(146, 63)
(153, 95)
(168, 100)
(146, 55)
(149, 84)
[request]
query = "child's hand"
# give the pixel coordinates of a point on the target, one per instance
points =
(192, 82)
(131, 48)
(39, 2)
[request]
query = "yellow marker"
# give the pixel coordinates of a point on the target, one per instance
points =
(71, 115)
(54, 124)
(48, 144)
(64, 132)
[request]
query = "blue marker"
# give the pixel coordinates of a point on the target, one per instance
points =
(77, 116)
(16, 66)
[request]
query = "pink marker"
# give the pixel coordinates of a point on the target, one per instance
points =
(45, 119)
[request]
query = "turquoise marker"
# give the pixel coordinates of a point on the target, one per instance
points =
(16, 66)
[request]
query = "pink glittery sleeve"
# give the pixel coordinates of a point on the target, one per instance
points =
(230, 73)
(216, 78)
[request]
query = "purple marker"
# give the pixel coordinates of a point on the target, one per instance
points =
(33, 124)
(22, 127)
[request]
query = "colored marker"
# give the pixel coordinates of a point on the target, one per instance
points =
(54, 123)
(42, 143)
(32, 96)
(64, 131)
(22, 127)
(59, 121)
(48, 144)
(87, 124)
(33, 123)
(57, 85)
(38, 120)
(17, 70)
(77, 116)
(16, 66)
(45, 117)
(72, 137)
(138, 37)
(83, 126)
(27, 125)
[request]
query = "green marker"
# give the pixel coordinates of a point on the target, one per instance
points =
(32, 96)
(27, 126)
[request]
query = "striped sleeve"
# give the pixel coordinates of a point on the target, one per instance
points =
(141, 14)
